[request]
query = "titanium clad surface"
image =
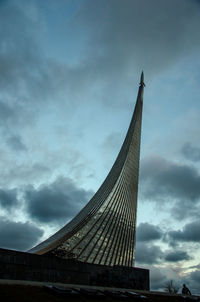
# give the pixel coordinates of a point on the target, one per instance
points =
(104, 230)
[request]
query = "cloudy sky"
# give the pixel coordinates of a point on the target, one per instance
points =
(69, 74)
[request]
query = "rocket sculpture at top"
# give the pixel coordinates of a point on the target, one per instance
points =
(104, 230)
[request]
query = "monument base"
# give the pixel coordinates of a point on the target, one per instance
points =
(16, 265)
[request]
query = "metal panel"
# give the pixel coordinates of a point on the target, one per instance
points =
(104, 230)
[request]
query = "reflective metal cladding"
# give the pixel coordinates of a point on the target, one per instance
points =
(104, 230)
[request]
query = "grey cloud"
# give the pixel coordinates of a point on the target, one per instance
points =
(148, 232)
(191, 152)
(165, 28)
(195, 266)
(14, 116)
(190, 233)
(119, 40)
(194, 281)
(171, 242)
(56, 202)
(171, 183)
(20, 65)
(158, 278)
(15, 143)
(152, 254)
(10, 114)
(176, 256)
(183, 210)
(119, 34)
(8, 198)
(18, 235)
(165, 179)
(195, 276)
(147, 254)
(28, 172)
(19, 50)
(28, 78)
(6, 112)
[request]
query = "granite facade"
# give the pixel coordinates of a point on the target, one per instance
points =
(16, 265)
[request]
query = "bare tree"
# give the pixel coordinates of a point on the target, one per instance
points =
(171, 288)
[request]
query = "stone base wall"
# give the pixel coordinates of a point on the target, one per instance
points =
(16, 265)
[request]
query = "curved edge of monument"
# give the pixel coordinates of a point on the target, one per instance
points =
(16, 265)
(103, 232)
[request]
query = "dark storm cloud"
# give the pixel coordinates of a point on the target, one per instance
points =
(147, 254)
(152, 254)
(176, 256)
(195, 266)
(170, 182)
(190, 233)
(165, 179)
(190, 152)
(148, 232)
(195, 276)
(56, 202)
(8, 198)
(194, 281)
(18, 235)
(184, 210)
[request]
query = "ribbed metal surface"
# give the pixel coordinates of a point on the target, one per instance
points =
(104, 231)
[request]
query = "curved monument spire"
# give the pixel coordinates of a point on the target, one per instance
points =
(104, 230)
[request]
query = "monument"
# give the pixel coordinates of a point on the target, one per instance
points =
(100, 240)
(104, 230)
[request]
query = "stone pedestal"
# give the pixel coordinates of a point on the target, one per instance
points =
(16, 265)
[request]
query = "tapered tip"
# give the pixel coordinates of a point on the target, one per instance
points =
(142, 79)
